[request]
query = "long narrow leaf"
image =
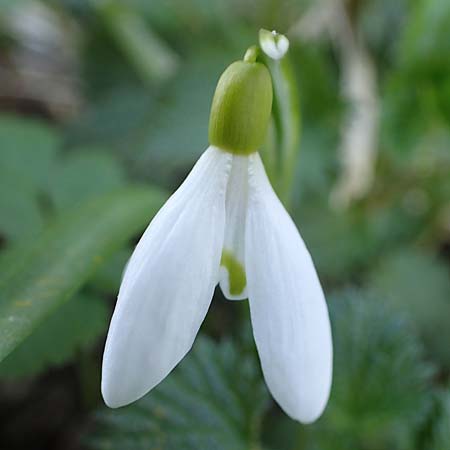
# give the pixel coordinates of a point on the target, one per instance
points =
(37, 277)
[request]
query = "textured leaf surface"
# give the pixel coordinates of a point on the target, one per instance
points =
(36, 278)
(213, 401)
(72, 327)
(417, 284)
(380, 378)
(441, 432)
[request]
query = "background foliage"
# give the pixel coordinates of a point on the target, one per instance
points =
(103, 111)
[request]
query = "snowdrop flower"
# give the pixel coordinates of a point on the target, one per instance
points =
(224, 225)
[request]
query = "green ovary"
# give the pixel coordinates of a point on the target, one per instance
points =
(241, 108)
(236, 273)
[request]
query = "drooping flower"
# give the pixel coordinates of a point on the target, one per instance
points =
(224, 225)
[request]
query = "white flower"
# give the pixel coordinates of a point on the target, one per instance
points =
(223, 225)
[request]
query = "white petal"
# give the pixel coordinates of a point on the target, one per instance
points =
(168, 284)
(273, 44)
(288, 309)
(232, 271)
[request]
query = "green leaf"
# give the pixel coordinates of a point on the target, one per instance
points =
(441, 430)
(424, 35)
(214, 400)
(20, 215)
(177, 132)
(40, 275)
(417, 284)
(28, 150)
(74, 326)
(107, 279)
(379, 391)
(341, 243)
(114, 120)
(84, 174)
(420, 79)
(153, 59)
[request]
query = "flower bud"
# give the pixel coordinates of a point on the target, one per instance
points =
(241, 107)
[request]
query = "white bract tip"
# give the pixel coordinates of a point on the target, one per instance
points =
(273, 44)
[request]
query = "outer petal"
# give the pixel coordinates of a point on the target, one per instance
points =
(168, 284)
(287, 305)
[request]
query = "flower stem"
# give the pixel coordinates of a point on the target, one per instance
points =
(251, 54)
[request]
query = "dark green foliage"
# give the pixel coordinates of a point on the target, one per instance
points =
(420, 82)
(101, 214)
(27, 157)
(81, 175)
(109, 275)
(341, 243)
(379, 393)
(214, 400)
(441, 433)
(37, 277)
(28, 150)
(73, 327)
(417, 285)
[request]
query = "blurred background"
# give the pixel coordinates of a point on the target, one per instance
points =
(104, 109)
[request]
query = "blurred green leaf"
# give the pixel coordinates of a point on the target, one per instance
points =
(214, 400)
(177, 133)
(417, 284)
(84, 174)
(148, 53)
(381, 22)
(341, 242)
(441, 430)
(107, 279)
(20, 215)
(162, 132)
(5, 4)
(37, 277)
(318, 161)
(114, 120)
(425, 34)
(28, 150)
(379, 388)
(420, 80)
(74, 326)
